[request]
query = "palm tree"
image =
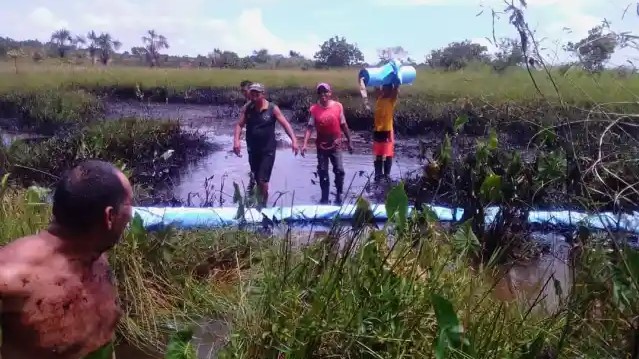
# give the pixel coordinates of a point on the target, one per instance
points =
(62, 39)
(77, 42)
(93, 47)
(153, 44)
(107, 46)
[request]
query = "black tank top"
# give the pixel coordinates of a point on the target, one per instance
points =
(260, 128)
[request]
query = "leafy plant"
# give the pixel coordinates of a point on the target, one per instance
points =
(179, 345)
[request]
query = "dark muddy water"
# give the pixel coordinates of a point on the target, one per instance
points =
(294, 179)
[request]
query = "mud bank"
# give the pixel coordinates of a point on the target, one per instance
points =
(151, 153)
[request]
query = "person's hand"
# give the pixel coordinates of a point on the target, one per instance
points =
(295, 148)
(237, 148)
(350, 147)
(303, 151)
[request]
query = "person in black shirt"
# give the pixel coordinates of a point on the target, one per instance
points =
(259, 116)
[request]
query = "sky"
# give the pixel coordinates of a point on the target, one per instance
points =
(197, 26)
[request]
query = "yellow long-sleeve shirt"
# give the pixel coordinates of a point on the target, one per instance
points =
(384, 113)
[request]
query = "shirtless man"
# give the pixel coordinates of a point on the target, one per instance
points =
(56, 287)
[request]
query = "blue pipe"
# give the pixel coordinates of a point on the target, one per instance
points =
(186, 218)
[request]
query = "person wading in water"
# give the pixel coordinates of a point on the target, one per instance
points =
(259, 116)
(383, 136)
(57, 291)
(327, 117)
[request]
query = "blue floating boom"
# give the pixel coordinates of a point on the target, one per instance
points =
(186, 218)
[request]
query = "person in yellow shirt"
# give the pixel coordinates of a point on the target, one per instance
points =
(383, 136)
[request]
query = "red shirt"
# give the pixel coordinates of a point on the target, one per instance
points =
(327, 121)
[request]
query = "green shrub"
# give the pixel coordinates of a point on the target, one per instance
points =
(48, 110)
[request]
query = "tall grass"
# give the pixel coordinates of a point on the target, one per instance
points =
(477, 82)
(411, 292)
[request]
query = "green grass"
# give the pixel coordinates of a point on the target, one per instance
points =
(419, 297)
(475, 83)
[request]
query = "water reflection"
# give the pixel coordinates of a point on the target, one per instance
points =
(542, 282)
(294, 179)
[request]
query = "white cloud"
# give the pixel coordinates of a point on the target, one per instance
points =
(185, 24)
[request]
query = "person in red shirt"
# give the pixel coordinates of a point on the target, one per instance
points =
(327, 117)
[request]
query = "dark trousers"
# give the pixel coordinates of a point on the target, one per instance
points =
(335, 157)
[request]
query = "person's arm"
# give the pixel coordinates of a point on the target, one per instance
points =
(364, 93)
(307, 134)
(238, 130)
(344, 126)
(287, 126)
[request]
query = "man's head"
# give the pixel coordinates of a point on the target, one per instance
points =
(256, 93)
(93, 199)
(324, 93)
(244, 85)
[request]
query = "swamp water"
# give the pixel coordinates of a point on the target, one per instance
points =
(294, 182)
(294, 179)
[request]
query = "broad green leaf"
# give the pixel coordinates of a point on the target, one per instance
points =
(363, 213)
(632, 260)
(36, 195)
(397, 204)
(429, 214)
(106, 352)
(532, 350)
(446, 320)
(460, 121)
(3, 184)
(464, 240)
(445, 151)
(493, 141)
(137, 226)
(444, 312)
(179, 346)
(491, 188)
(5, 179)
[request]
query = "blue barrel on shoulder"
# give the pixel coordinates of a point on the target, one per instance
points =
(392, 72)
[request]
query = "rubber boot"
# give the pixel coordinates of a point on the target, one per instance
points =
(379, 163)
(339, 188)
(388, 164)
(325, 186)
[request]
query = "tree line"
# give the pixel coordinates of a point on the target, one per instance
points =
(591, 53)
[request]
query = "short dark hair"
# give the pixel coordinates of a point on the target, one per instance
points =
(82, 194)
(245, 83)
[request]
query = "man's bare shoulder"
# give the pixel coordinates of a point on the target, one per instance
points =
(18, 259)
